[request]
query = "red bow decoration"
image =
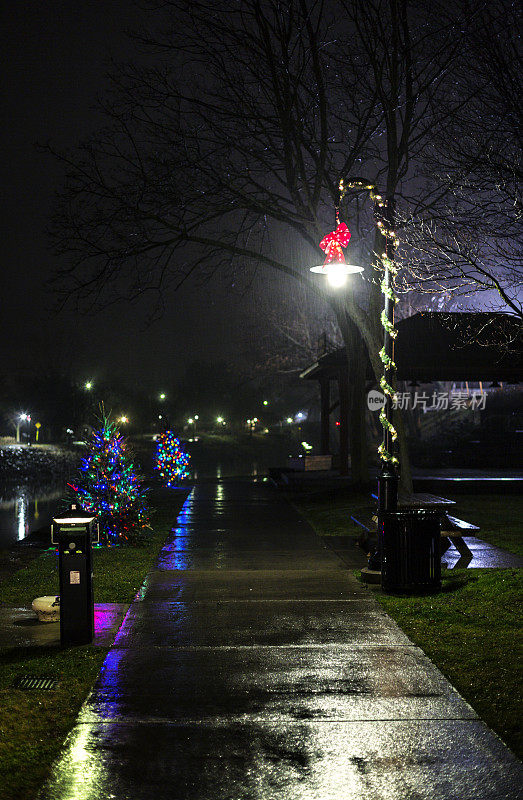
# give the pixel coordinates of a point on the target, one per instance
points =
(333, 242)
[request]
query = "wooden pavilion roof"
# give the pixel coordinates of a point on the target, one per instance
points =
(446, 346)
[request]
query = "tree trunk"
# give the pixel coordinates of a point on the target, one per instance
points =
(356, 367)
(357, 360)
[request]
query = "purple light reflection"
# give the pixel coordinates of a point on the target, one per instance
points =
(106, 615)
(174, 553)
(107, 689)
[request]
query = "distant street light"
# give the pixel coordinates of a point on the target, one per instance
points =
(124, 420)
(265, 402)
(163, 396)
(27, 419)
(88, 385)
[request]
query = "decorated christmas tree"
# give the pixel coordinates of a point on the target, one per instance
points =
(172, 462)
(109, 487)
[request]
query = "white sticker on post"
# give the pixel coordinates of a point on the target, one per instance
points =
(74, 577)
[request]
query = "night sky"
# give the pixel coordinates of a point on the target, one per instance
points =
(56, 57)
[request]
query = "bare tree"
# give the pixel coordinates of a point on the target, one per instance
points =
(225, 154)
(467, 240)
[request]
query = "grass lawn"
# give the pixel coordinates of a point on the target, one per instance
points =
(498, 516)
(329, 513)
(472, 629)
(33, 724)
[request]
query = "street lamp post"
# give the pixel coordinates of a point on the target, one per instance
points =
(388, 478)
(336, 269)
(26, 418)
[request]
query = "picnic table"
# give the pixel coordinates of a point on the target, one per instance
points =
(453, 529)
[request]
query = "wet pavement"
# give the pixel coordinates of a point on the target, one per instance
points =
(482, 555)
(19, 627)
(254, 665)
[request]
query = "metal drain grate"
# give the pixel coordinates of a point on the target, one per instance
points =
(35, 682)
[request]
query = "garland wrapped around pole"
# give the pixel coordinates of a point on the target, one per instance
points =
(383, 213)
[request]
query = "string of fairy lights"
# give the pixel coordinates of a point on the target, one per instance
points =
(109, 487)
(172, 462)
(387, 283)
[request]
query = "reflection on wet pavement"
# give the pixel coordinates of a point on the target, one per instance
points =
(19, 627)
(482, 555)
(253, 666)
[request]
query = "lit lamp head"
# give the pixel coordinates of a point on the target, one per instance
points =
(335, 268)
(76, 521)
(336, 272)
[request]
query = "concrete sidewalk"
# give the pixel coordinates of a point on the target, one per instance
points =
(254, 665)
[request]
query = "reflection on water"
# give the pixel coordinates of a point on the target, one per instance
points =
(232, 469)
(26, 508)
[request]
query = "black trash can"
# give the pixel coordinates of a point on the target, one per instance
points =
(410, 551)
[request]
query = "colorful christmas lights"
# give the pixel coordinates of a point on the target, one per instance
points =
(109, 488)
(172, 462)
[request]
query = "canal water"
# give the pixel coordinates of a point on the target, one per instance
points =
(26, 507)
(28, 504)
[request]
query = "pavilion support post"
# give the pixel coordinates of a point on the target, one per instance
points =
(343, 390)
(325, 416)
